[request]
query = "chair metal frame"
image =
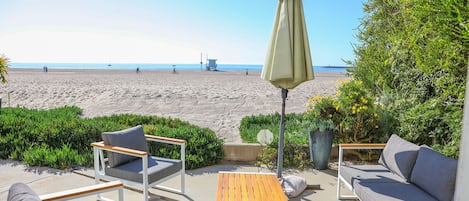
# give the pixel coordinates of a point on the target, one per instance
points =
(99, 165)
(341, 179)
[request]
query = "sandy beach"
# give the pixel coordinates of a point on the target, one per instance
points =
(216, 100)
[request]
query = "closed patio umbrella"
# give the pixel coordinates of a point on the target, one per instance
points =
(288, 61)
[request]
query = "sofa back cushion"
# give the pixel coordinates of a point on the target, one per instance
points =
(399, 156)
(132, 138)
(435, 174)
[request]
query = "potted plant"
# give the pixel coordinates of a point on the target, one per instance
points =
(321, 134)
(320, 127)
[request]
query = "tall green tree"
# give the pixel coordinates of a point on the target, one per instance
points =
(3, 68)
(414, 55)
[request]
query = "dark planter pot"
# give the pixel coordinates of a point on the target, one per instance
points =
(320, 144)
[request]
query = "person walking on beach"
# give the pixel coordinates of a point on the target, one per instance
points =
(138, 70)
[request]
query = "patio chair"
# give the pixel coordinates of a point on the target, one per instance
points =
(128, 160)
(20, 191)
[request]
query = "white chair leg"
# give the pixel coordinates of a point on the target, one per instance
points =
(145, 177)
(183, 180)
(121, 194)
(338, 188)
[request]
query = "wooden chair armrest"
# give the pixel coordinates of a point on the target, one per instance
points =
(165, 139)
(363, 146)
(120, 150)
(84, 191)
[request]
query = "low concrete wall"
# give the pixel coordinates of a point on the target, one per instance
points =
(241, 151)
(245, 152)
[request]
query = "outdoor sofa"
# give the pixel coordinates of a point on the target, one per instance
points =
(404, 171)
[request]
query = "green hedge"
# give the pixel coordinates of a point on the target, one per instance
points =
(413, 55)
(60, 138)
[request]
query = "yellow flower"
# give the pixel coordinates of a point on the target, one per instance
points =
(330, 115)
(364, 101)
(337, 108)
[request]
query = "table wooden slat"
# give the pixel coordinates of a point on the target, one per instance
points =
(220, 185)
(249, 186)
(270, 195)
(244, 191)
(231, 187)
(257, 192)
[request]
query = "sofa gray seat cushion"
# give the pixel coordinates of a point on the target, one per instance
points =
(354, 174)
(21, 192)
(394, 191)
(435, 173)
(132, 138)
(376, 182)
(158, 168)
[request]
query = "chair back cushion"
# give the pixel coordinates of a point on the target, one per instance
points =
(21, 192)
(132, 138)
(435, 173)
(399, 156)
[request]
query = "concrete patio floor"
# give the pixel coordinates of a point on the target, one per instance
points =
(201, 184)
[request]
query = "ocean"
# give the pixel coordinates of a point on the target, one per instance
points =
(133, 66)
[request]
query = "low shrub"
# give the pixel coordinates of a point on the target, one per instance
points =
(61, 158)
(251, 125)
(295, 153)
(296, 150)
(60, 138)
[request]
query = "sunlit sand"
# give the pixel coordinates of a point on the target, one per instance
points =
(216, 100)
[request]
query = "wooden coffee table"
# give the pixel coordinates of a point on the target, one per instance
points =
(249, 186)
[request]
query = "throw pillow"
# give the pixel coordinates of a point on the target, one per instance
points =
(21, 192)
(399, 156)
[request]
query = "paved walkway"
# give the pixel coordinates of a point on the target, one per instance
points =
(201, 184)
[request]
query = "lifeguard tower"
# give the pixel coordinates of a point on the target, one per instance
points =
(211, 64)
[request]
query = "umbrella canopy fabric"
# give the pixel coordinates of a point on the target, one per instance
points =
(288, 61)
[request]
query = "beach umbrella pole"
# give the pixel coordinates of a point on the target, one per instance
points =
(281, 136)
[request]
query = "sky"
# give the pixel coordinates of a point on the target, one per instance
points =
(167, 31)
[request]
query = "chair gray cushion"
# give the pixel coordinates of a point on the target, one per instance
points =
(435, 173)
(158, 168)
(21, 192)
(395, 191)
(132, 138)
(354, 174)
(399, 156)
